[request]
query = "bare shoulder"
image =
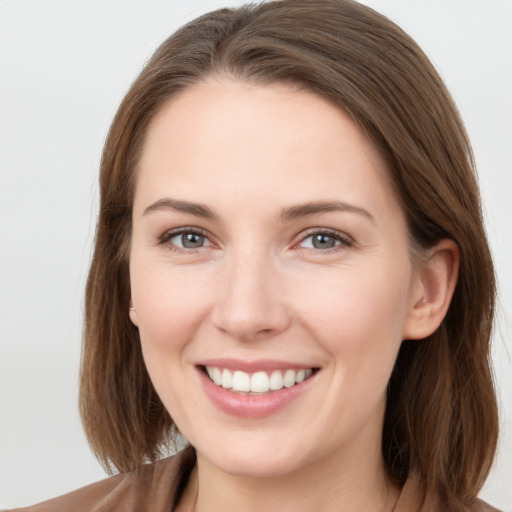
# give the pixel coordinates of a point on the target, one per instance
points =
(152, 487)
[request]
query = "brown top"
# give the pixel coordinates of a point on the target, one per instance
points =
(156, 488)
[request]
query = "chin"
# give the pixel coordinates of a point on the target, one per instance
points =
(256, 459)
(257, 467)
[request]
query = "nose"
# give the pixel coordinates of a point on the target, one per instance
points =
(251, 302)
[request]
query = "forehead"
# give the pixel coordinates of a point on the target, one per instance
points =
(261, 141)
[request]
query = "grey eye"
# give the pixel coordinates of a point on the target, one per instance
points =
(323, 241)
(190, 240)
(320, 241)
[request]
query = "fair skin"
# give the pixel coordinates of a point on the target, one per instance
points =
(266, 238)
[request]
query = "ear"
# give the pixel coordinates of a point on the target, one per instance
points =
(432, 290)
(133, 314)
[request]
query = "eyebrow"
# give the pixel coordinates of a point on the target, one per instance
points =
(196, 209)
(306, 209)
(287, 214)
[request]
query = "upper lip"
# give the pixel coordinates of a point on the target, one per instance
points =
(265, 365)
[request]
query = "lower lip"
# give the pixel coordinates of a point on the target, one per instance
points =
(252, 406)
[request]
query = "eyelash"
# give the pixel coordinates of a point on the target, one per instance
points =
(166, 238)
(343, 239)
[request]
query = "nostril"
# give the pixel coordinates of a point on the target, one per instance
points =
(264, 331)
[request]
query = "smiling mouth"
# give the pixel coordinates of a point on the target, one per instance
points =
(257, 382)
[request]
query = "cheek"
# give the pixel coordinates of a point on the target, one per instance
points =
(171, 306)
(357, 320)
(170, 303)
(357, 314)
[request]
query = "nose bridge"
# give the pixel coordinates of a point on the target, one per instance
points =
(249, 303)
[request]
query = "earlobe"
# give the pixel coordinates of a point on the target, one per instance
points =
(133, 314)
(432, 290)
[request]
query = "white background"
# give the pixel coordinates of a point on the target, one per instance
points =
(64, 67)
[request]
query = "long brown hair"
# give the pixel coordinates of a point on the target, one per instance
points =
(441, 417)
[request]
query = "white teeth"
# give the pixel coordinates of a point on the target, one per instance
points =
(276, 380)
(217, 377)
(241, 381)
(259, 382)
(289, 378)
(227, 379)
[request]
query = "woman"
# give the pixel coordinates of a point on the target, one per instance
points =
(291, 270)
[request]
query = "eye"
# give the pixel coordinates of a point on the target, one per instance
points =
(185, 239)
(325, 240)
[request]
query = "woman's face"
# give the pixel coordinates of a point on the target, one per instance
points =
(269, 251)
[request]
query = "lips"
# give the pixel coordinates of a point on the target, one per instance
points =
(254, 389)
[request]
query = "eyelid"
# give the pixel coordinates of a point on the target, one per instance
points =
(168, 235)
(344, 239)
